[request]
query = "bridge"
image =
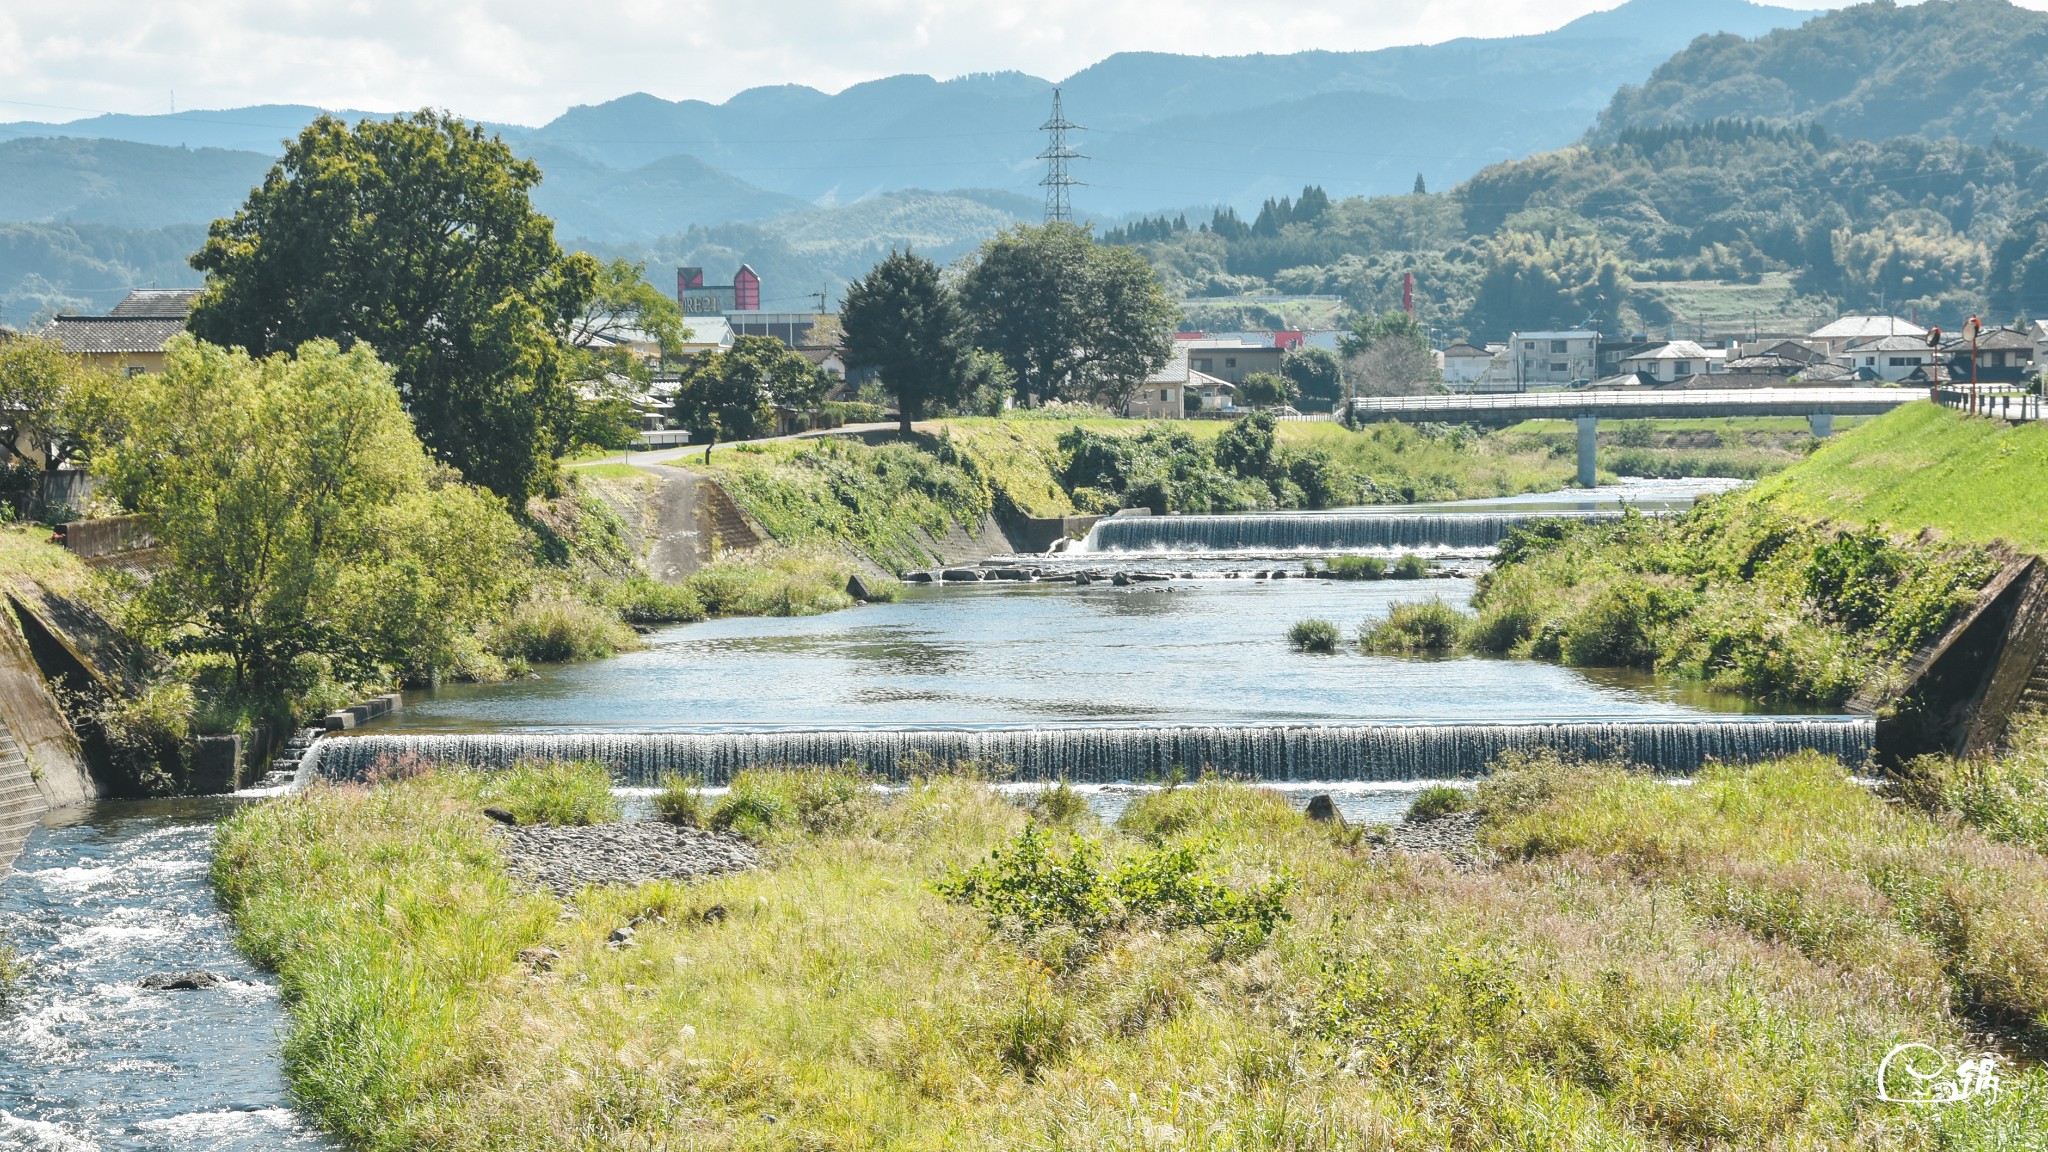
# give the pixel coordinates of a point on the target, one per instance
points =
(1820, 406)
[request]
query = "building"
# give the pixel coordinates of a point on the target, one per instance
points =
(797, 329)
(1838, 336)
(131, 338)
(1163, 395)
(1555, 359)
(2004, 356)
(1671, 362)
(1890, 358)
(1231, 360)
(1465, 365)
(1212, 393)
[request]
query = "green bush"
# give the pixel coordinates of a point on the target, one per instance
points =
(770, 802)
(1031, 889)
(774, 582)
(1416, 626)
(555, 631)
(645, 600)
(1352, 568)
(554, 792)
(1437, 800)
(1411, 567)
(1057, 805)
(1314, 636)
(679, 802)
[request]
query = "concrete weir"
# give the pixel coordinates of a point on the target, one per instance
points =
(1108, 754)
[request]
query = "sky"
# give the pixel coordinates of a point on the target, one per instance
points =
(524, 61)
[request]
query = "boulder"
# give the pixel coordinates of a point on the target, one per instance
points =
(192, 981)
(960, 574)
(1323, 809)
(501, 816)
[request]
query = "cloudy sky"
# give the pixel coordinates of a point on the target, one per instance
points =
(523, 61)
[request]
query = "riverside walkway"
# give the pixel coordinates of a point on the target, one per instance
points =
(1819, 405)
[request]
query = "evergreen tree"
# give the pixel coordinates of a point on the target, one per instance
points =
(902, 320)
(1421, 189)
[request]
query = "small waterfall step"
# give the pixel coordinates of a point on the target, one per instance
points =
(1314, 531)
(1109, 754)
(284, 767)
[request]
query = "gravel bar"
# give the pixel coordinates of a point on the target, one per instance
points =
(563, 860)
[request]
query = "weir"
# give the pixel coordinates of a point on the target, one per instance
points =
(1105, 754)
(1313, 531)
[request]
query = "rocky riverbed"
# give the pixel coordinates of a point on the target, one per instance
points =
(1454, 836)
(564, 859)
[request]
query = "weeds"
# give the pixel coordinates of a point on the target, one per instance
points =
(1415, 627)
(679, 802)
(1349, 568)
(555, 792)
(1436, 802)
(1411, 567)
(1319, 636)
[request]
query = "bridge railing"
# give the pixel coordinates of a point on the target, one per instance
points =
(1991, 400)
(1592, 403)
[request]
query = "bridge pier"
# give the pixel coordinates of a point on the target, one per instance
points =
(1589, 441)
(1822, 424)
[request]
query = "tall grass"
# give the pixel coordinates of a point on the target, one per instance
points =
(556, 792)
(1722, 966)
(1417, 626)
(1319, 636)
(779, 582)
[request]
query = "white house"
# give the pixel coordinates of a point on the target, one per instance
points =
(1890, 358)
(1464, 365)
(1672, 361)
(1839, 335)
(1163, 395)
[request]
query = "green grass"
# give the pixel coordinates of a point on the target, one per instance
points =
(1416, 627)
(561, 793)
(1437, 801)
(680, 801)
(1349, 568)
(781, 582)
(614, 470)
(1319, 636)
(1645, 967)
(1922, 466)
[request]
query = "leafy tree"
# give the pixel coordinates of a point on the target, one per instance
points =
(903, 320)
(1538, 280)
(417, 237)
(1368, 330)
(45, 397)
(1263, 389)
(2019, 268)
(1249, 447)
(731, 395)
(1317, 374)
(1073, 319)
(269, 484)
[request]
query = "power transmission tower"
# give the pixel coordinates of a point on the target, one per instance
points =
(1056, 155)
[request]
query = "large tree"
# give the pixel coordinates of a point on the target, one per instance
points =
(417, 237)
(273, 486)
(730, 395)
(1317, 374)
(1075, 320)
(902, 320)
(46, 398)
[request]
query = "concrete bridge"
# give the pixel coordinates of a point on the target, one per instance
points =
(1820, 406)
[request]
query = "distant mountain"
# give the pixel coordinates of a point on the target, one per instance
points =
(115, 182)
(1976, 70)
(257, 128)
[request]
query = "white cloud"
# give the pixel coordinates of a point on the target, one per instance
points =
(523, 61)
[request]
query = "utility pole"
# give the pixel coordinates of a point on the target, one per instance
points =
(1057, 153)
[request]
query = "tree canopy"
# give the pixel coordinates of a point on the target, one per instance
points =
(416, 236)
(904, 321)
(1075, 320)
(731, 395)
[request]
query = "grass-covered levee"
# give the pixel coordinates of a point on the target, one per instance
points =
(1630, 965)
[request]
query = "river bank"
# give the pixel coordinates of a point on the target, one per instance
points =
(1302, 987)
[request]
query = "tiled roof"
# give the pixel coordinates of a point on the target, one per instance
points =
(111, 335)
(1868, 327)
(157, 302)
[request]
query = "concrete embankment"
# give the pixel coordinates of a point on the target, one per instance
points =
(41, 766)
(1961, 694)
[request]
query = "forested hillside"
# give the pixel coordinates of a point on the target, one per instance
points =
(1975, 70)
(1574, 235)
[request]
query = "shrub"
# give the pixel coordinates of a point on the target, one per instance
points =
(1031, 889)
(1353, 568)
(1057, 805)
(1436, 801)
(766, 803)
(679, 802)
(1411, 567)
(1416, 626)
(556, 631)
(1619, 627)
(1314, 636)
(555, 792)
(773, 582)
(645, 600)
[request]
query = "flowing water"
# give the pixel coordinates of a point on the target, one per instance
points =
(100, 897)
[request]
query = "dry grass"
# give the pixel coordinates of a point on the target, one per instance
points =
(1721, 966)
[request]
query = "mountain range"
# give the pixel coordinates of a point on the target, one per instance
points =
(838, 177)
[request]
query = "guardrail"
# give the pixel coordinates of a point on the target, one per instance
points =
(2017, 407)
(1838, 401)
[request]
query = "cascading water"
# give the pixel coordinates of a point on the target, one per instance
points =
(1106, 754)
(1312, 531)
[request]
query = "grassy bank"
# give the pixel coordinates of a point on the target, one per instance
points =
(887, 502)
(1735, 595)
(1642, 966)
(1923, 466)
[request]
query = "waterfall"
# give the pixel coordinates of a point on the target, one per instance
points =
(1108, 754)
(1311, 531)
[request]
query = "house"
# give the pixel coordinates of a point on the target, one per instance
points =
(1890, 358)
(1231, 360)
(2004, 356)
(1214, 393)
(1768, 364)
(131, 338)
(1163, 395)
(1555, 359)
(1670, 362)
(1464, 365)
(1838, 336)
